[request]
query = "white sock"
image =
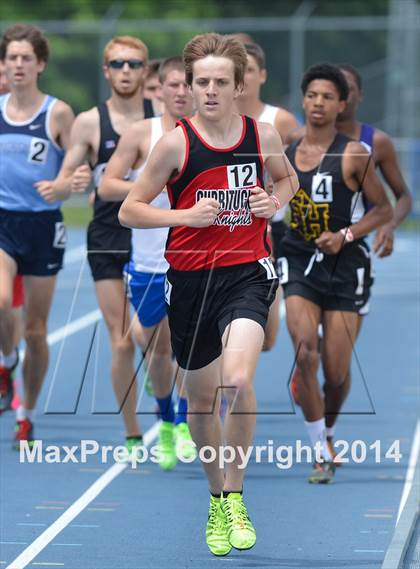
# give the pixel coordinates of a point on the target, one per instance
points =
(29, 413)
(317, 434)
(20, 413)
(10, 360)
(330, 431)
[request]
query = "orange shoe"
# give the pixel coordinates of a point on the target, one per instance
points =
(294, 388)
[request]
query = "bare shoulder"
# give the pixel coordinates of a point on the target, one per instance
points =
(174, 140)
(169, 152)
(285, 122)
(356, 158)
(140, 127)
(137, 131)
(381, 137)
(268, 133)
(88, 118)
(354, 148)
(86, 125)
(283, 116)
(383, 145)
(295, 134)
(61, 110)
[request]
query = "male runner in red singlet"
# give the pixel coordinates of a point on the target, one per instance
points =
(221, 280)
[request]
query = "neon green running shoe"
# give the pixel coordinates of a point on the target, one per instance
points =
(216, 531)
(241, 532)
(133, 445)
(185, 446)
(166, 446)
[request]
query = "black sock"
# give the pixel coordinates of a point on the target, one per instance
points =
(215, 495)
(137, 437)
(227, 492)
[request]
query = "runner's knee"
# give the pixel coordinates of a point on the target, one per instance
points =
(307, 357)
(123, 346)
(35, 334)
(6, 303)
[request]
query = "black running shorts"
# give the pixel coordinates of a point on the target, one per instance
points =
(278, 231)
(35, 240)
(333, 282)
(109, 249)
(202, 303)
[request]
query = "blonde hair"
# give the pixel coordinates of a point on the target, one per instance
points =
(219, 46)
(127, 41)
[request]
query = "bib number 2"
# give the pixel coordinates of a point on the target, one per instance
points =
(60, 235)
(38, 151)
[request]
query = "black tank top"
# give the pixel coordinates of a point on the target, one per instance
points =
(106, 213)
(323, 201)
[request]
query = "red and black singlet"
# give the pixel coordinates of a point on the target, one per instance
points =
(225, 174)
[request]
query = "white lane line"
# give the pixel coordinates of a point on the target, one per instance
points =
(75, 326)
(414, 455)
(76, 508)
(363, 551)
(103, 481)
(70, 328)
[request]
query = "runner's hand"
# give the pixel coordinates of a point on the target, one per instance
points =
(81, 178)
(384, 241)
(203, 213)
(45, 188)
(261, 204)
(330, 243)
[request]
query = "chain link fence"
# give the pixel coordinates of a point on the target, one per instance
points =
(384, 49)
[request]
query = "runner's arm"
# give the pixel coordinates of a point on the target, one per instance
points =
(62, 119)
(386, 159)
(285, 180)
(113, 186)
(61, 122)
(285, 122)
(165, 160)
(76, 156)
(388, 164)
(359, 163)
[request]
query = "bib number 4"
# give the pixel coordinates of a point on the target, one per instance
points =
(322, 188)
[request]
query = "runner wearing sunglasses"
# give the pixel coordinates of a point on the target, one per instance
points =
(94, 138)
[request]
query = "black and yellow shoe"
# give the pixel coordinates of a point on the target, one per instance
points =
(216, 531)
(322, 472)
(241, 532)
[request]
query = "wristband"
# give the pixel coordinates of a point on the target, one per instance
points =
(276, 202)
(348, 234)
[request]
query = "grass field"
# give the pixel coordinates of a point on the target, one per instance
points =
(77, 216)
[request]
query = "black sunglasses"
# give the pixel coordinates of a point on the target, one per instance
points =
(119, 63)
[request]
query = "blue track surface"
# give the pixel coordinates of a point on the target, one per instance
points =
(146, 519)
